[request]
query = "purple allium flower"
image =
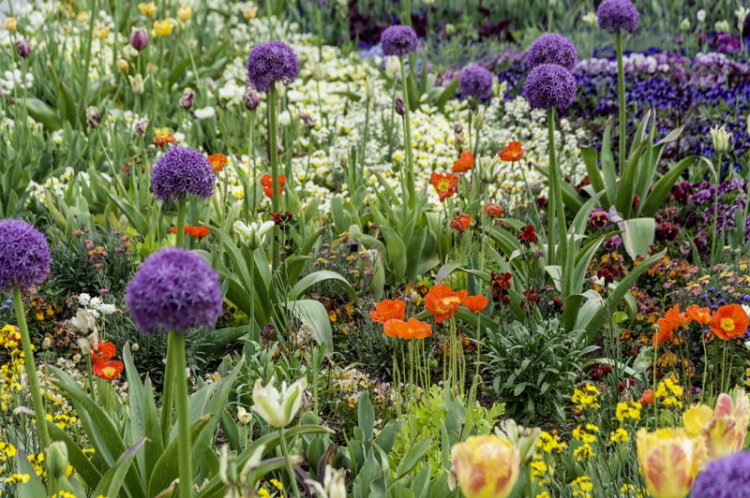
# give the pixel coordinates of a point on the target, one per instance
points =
(475, 81)
(24, 255)
(182, 171)
(618, 15)
(551, 49)
(174, 290)
(398, 40)
(727, 477)
(272, 62)
(549, 86)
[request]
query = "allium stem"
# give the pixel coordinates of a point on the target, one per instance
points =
(409, 180)
(183, 415)
(181, 212)
(28, 358)
(622, 142)
(167, 395)
(273, 155)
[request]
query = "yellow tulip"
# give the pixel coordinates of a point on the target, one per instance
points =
(722, 429)
(669, 460)
(163, 28)
(184, 13)
(10, 24)
(486, 466)
(147, 9)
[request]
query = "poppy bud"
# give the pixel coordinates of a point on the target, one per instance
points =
(93, 118)
(400, 106)
(187, 99)
(23, 47)
(252, 101)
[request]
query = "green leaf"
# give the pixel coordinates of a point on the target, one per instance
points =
(34, 488)
(314, 314)
(112, 480)
(637, 235)
(365, 415)
(317, 277)
(661, 190)
(413, 457)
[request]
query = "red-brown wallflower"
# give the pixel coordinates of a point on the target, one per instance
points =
(528, 235)
(266, 182)
(218, 161)
(729, 322)
(388, 309)
(445, 184)
(494, 210)
(464, 162)
(461, 223)
(476, 304)
(442, 302)
(512, 152)
(108, 370)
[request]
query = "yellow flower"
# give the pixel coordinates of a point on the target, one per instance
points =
(163, 28)
(669, 460)
(584, 452)
(586, 397)
(586, 433)
(631, 410)
(723, 429)
(184, 13)
(486, 466)
(147, 9)
(10, 24)
(82, 17)
(581, 487)
(101, 32)
(619, 436)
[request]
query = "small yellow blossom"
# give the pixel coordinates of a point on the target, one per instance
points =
(147, 9)
(163, 28)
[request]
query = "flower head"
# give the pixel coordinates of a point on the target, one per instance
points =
(278, 408)
(476, 304)
(512, 152)
(549, 86)
(464, 162)
(551, 48)
(727, 477)
(461, 223)
(729, 322)
(698, 314)
(266, 181)
(139, 39)
(476, 81)
(174, 290)
(103, 351)
(182, 171)
(723, 429)
(494, 210)
(388, 309)
(486, 466)
(445, 184)
(108, 370)
(669, 460)
(668, 324)
(270, 63)
(528, 235)
(399, 40)
(24, 255)
(442, 302)
(217, 161)
(413, 329)
(618, 15)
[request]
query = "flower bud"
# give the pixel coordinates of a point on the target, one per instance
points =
(701, 16)
(278, 409)
(184, 13)
(721, 138)
(400, 106)
(392, 67)
(139, 39)
(10, 24)
(122, 65)
(685, 25)
(285, 119)
(23, 47)
(46, 343)
(252, 101)
(187, 99)
(57, 459)
(137, 84)
(93, 118)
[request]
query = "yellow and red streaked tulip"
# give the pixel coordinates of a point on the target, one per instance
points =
(724, 428)
(669, 460)
(486, 466)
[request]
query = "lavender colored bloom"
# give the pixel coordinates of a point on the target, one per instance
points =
(549, 86)
(174, 290)
(475, 81)
(398, 40)
(618, 15)
(139, 39)
(551, 49)
(24, 255)
(182, 171)
(272, 62)
(727, 477)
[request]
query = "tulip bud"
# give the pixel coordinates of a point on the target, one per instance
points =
(135, 347)
(392, 67)
(721, 138)
(57, 459)
(23, 47)
(184, 13)
(139, 39)
(10, 24)
(252, 101)
(486, 466)
(137, 84)
(285, 119)
(335, 482)
(122, 65)
(187, 99)
(46, 343)
(722, 26)
(400, 106)
(93, 118)
(685, 25)
(278, 409)
(701, 16)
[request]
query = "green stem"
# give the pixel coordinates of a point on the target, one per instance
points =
(167, 392)
(183, 415)
(289, 468)
(556, 209)
(273, 155)
(28, 358)
(717, 178)
(407, 138)
(180, 229)
(621, 92)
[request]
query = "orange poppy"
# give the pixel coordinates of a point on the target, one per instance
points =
(729, 322)
(388, 309)
(697, 314)
(108, 370)
(218, 161)
(413, 329)
(512, 152)
(464, 162)
(162, 137)
(461, 223)
(671, 321)
(199, 232)
(476, 304)
(103, 351)
(647, 397)
(266, 182)
(493, 210)
(445, 184)
(442, 302)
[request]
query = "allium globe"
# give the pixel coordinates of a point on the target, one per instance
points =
(270, 63)
(399, 40)
(24, 255)
(618, 15)
(550, 86)
(182, 171)
(476, 81)
(174, 290)
(727, 477)
(551, 48)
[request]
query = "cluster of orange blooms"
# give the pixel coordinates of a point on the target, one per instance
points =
(195, 231)
(727, 323)
(266, 181)
(441, 301)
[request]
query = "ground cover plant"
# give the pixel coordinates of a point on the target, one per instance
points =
(415, 249)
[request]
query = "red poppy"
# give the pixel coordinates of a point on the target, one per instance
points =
(103, 351)
(218, 161)
(461, 223)
(108, 370)
(512, 152)
(442, 302)
(445, 184)
(729, 322)
(388, 309)
(464, 162)
(528, 235)
(493, 210)
(413, 329)
(476, 304)
(266, 182)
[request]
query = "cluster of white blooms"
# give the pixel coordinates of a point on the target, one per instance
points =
(95, 305)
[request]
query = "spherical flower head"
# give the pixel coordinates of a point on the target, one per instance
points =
(549, 86)
(174, 290)
(618, 15)
(24, 255)
(182, 171)
(727, 477)
(398, 40)
(270, 63)
(551, 48)
(475, 81)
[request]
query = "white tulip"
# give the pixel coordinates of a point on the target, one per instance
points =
(278, 409)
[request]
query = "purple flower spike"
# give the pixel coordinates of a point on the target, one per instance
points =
(174, 290)
(475, 81)
(727, 477)
(270, 63)
(398, 40)
(550, 86)
(182, 171)
(618, 15)
(24, 255)
(551, 49)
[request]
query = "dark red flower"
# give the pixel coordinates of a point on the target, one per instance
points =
(530, 298)
(528, 235)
